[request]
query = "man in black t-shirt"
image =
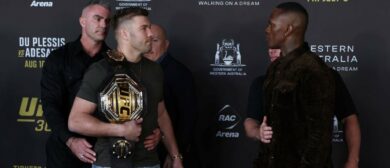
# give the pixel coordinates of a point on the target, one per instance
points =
(61, 78)
(133, 37)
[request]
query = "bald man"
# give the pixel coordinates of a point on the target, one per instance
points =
(61, 79)
(299, 96)
(344, 109)
(179, 95)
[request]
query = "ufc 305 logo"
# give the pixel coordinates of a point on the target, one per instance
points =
(30, 111)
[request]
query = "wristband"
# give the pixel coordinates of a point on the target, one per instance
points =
(178, 156)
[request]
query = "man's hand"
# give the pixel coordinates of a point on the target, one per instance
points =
(265, 131)
(132, 129)
(152, 140)
(352, 138)
(173, 163)
(81, 149)
(352, 164)
(177, 163)
(168, 162)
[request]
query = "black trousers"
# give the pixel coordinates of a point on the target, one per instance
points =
(58, 155)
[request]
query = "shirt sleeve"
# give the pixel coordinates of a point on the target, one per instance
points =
(185, 102)
(255, 99)
(159, 77)
(344, 105)
(53, 96)
(92, 83)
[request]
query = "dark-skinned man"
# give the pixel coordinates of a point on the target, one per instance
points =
(299, 96)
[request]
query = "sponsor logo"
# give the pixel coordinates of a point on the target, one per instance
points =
(328, 1)
(338, 134)
(30, 112)
(227, 119)
(228, 3)
(120, 4)
(227, 60)
(34, 50)
(341, 57)
(41, 4)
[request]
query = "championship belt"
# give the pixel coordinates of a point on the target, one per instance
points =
(121, 100)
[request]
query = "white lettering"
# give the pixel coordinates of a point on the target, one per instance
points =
(38, 52)
(229, 3)
(346, 69)
(41, 4)
(48, 42)
(216, 3)
(339, 58)
(24, 41)
(227, 117)
(227, 134)
(332, 48)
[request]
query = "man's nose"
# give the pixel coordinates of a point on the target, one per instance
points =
(150, 33)
(104, 23)
(267, 29)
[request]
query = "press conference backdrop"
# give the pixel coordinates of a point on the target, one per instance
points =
(223, 44)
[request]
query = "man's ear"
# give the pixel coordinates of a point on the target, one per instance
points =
(289, 30)
(82, 21)
(166, 44)
(124, 33)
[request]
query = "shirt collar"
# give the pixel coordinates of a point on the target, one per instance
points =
(77, 48)
(160, 60)
(295, 53)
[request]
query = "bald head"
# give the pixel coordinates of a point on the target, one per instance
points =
(296, 14)
(286, 27)
(160, 31)
(159, 43)
(102, 3)
(94, 21)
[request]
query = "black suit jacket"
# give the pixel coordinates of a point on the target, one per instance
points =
(180, 101)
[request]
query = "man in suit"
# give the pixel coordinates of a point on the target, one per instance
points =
(179, 95)
(61, 79)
